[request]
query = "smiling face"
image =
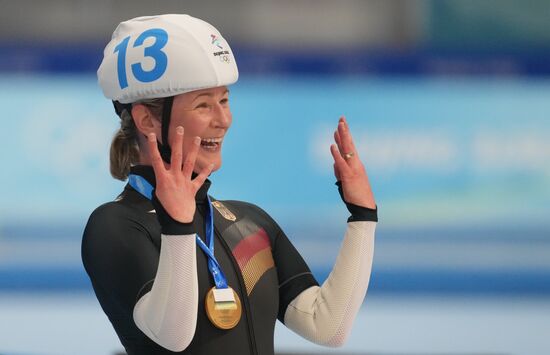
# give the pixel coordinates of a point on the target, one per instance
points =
(206, 114)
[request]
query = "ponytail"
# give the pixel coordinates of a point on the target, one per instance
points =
(124, 147)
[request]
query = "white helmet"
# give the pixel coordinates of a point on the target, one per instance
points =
(160, 56)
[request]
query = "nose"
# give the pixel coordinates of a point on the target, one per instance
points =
(222, 116)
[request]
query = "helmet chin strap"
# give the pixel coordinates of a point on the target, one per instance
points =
(121, 107)
(164, 148)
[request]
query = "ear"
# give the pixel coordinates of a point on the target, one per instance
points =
(145, 121)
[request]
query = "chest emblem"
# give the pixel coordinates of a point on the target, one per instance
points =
(224, 211)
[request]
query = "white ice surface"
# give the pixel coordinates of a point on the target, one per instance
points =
(44, 324)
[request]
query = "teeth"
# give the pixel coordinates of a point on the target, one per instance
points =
(212, 140)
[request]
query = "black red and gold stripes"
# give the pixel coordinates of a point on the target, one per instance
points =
(253, 254)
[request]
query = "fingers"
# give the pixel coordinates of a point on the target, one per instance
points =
(201, 178)
(346, 141)
(343, 139)
(340, 165)
(156, 159)
(177, 154)
(189, 164)
(338, 140)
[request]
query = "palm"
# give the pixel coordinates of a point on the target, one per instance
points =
(175, 189)
(350, 171)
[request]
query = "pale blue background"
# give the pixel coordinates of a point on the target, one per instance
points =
(449, 103)
(460, 169)
(443, 152)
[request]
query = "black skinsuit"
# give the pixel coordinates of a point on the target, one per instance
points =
(120, 251)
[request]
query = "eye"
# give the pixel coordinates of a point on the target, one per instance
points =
(202, 105)
(224, 101)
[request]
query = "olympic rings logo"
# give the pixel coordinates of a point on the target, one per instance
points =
(225, 58)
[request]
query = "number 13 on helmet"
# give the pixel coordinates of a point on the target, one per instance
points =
(159, 56)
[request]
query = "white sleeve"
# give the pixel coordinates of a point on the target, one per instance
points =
(324, 315)
(168, 313)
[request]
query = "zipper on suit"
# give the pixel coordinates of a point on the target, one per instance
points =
(252, 337)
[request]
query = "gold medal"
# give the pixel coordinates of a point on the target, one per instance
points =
(223, 307)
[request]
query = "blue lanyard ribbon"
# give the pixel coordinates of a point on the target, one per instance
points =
(146, 189)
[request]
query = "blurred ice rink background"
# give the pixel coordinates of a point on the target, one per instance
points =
(449, 103)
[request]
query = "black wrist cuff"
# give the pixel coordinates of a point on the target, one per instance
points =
(168, 225)
(358, 213)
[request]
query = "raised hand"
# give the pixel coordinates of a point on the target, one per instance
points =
(175, 189)
(349, 170)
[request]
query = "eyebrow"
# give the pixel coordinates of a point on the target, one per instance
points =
(210, 94)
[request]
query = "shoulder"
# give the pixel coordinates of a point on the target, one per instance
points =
(113, 224)
(129, 209)
(104, 223)
(109, 215)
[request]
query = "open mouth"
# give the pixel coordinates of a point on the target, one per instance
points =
(211, 144)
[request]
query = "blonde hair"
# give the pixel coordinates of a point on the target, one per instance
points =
(124, 152)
